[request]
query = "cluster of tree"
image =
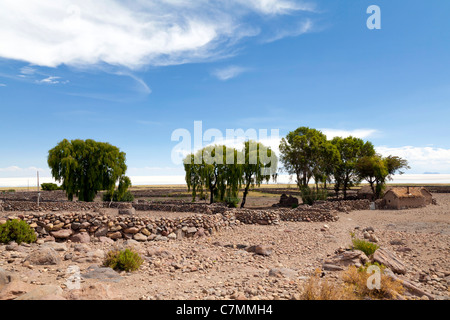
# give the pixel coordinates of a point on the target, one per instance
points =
(307, 154)
(85, 167)
(222, 171)
(50, 187)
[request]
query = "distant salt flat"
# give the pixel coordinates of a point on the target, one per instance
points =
(177, 179)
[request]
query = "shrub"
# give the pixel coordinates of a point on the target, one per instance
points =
(309, 196)
(356, 279)
(367, 247)
(49, 187)
(18, 231)
(232, 202)
(127, 197)
(124, 260)
(318, 289)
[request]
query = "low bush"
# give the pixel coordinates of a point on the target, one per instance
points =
(127, 197)
(123, 260)
(310, 196)
(232, 202)
(18, 231)
(50, 187)
(367, 247)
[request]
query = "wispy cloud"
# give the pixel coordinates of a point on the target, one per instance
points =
(52, 80)
(27, 70)
(2, 85)
(133, 33)
(304, 27)
(228, 73)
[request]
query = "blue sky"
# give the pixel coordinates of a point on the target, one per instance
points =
(132, 72)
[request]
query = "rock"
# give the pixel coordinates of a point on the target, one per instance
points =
(106, 240)
(43, 256)
(115, 235)
(82, 237)
(4, 278)
(102, 274)
(101, 232)
(140, 237)
(390, 260)
(132, 230)
(14, 289)
(80, 248)
(59, 247)
(191, 230)
(397, 242)
(260, 249)
(62, 234)
(172, 236)
(96, 291)
(12, 246)
(129, 212)
(48, 292)
(373, 238)
(282, 273)
(345, 259)
(332, 267)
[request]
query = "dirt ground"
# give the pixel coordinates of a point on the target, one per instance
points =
(216, 267)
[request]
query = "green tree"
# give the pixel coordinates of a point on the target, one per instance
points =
(378, 170)
(350, 150)
(207, 169)
(300, 154)
(85, 167)
(260, 165)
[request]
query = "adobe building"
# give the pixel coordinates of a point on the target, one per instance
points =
(407, 197)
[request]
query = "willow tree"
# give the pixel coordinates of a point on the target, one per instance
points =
(85, 167)
(215, 169)
(260, 165)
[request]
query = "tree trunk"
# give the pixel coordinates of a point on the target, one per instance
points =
(245, 195)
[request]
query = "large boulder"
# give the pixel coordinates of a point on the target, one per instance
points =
(390, 260)
(62, 234)
(47, 292)
(43, 256)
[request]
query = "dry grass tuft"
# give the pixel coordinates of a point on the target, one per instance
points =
(356, 279)
(319, 289)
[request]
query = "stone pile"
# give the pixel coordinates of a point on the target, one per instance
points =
(11, 205)
(287, 202)
(308, 214)
(80, 227)
(264, 217)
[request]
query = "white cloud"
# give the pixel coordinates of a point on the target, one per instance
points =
(132, 33)
(2, 85)
(304, 27)
(15, 171)
(49, 80)
(421, 159)
(357, 133)
(228, 73)
(27, 70)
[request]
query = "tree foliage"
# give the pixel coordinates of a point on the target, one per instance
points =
(377, 170)
(222, 170)
(85, 167)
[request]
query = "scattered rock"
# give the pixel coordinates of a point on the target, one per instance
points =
(283, 273)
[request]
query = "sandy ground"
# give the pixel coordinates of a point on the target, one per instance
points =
(216, 267)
